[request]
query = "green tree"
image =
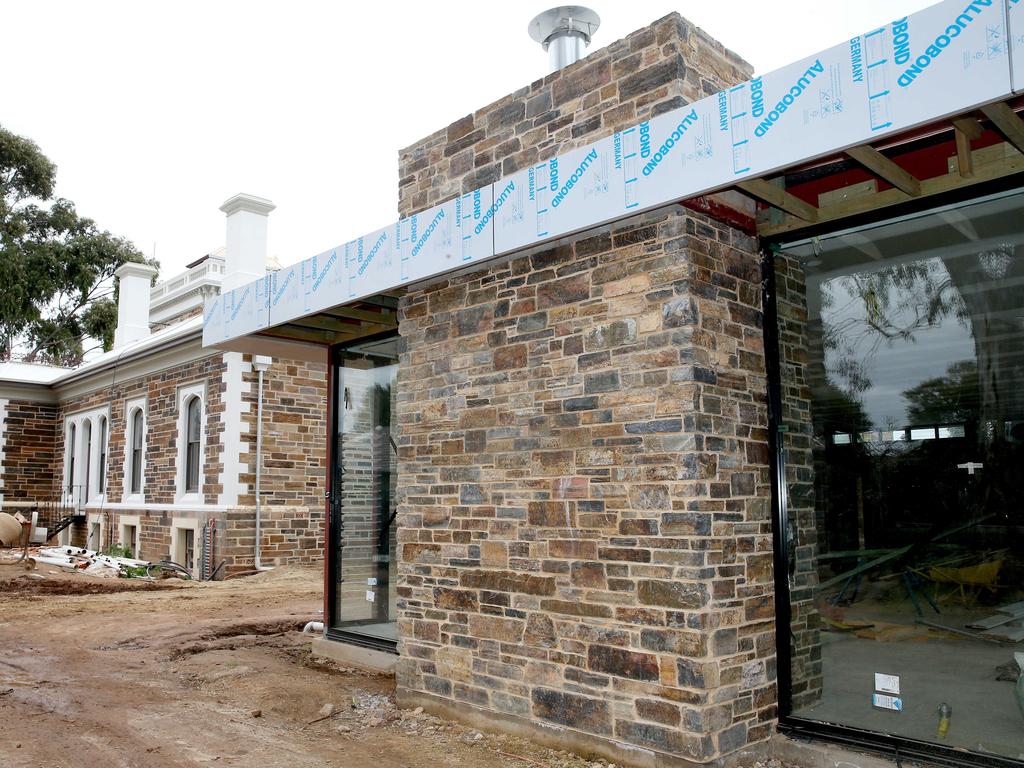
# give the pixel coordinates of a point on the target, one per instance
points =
(949, 399)
(56, 267)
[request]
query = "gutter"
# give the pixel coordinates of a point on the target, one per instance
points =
(117, 362)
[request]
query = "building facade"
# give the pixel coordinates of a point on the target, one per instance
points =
(733, 458)
(152, 446)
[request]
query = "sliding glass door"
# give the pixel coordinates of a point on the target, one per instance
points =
(901, 478)
(361, 554)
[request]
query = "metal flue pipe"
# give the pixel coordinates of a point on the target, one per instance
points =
(564, 32)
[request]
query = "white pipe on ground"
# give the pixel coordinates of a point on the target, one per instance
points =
(313, 627)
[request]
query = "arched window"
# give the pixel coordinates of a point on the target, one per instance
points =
(86, 457)
(193, 433)
(136, 454)
(101, 480)
(71, 459)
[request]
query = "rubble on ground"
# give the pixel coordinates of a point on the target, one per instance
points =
(80, 560)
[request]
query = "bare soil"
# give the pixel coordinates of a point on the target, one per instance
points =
(123, 673)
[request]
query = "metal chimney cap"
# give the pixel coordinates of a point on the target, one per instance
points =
(575, 20)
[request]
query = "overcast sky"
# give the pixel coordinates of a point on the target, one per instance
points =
(156, 113)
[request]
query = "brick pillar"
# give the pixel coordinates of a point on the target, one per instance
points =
(584, 526)
(585, 547)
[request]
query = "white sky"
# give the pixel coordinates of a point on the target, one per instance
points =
(156, 113)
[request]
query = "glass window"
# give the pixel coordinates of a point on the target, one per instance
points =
(71, 459)
(101, 470)
(137, 451)
(87, 458)
(193, 432)
(902, 372)
(362, 550)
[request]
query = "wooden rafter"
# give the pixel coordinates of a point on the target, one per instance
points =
(328, 323)
(382, 317)
(769, 193)
(969, 127)
(882, 166)
(1003, 165)
(299, 333)
(1007, 122)
(972, 166)
(964, 158)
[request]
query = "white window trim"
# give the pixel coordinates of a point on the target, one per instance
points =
(178, 526)
(70, 448)
(79, 420)
(123, 522)
(102, 418)
(130, 407)
(185, 394)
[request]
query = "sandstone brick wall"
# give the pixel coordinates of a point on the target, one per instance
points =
(294, 435)
(29, 439)
(653, 70)
(161, 449)
(154, 530)
(585, 534)
(584, 525)
(294, 468)
(289, 535)
(791, 307)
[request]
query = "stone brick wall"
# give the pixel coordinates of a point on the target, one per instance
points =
(584, 524)
(791, 307)
(289, 535)
(28, 438)
(293, 468)
(654, 70)
(161, 450)
(294, 435)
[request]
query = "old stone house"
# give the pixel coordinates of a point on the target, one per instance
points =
(153, 445)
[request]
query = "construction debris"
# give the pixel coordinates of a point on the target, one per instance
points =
(87, 561)
(1006, 624)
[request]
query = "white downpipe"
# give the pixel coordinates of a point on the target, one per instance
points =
(259, 461)
(260, 363)
(312, 627)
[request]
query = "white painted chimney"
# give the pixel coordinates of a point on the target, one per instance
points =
(133, 302)
(246, 243)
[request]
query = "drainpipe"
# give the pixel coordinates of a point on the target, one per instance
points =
(261, 363)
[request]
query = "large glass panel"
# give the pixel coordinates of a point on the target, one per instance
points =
(902, 367)
(363, 526)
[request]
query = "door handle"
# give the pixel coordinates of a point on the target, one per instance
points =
(791, 545)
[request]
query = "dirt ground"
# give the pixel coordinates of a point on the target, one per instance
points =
(122, 673)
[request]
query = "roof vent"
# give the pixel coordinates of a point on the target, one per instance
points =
(564, 32)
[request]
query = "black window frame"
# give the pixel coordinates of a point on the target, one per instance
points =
(896, 748)
(333, 529)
